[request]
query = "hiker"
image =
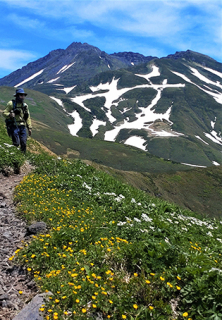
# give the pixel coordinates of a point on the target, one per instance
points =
(17, 119)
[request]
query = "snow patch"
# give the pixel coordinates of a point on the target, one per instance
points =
(58, 101)
(74, 128)
(197, 74)
(219, 74)
(216, 163)
(137, 142)
(202, 140)
(213, 137)
(66, 67)
(52, 80)
(30, 78)
(67, 90)
(193, 165)
(95, 126)
(155, 73)
(216, 95)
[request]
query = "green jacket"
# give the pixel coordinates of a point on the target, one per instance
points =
(18, 118)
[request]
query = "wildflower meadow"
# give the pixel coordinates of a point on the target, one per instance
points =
(113, 252)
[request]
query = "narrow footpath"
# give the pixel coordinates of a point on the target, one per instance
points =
(17, 288)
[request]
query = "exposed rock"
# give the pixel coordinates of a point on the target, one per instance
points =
(37, 227)
(31, 310)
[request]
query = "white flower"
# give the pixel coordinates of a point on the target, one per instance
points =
(209, 234)
(137, 220)
(215, 269)
(8, 145)
(218, 239)
(86, 186)
(145, 230)
(146, 218)
(121, 223)
(109, 194)
(119, 198)
(133, 200)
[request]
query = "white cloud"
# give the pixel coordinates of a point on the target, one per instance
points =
(145, 26)
(13, 59)
(171, 21)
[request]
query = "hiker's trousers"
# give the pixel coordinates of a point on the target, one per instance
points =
(19, 137)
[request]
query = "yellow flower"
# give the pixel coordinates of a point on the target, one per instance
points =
(178, 278)
(123, 316)
(185, 314)
(84, 310)
(110, 301)
(41, 309)
(152, 274)
(178, 288)
(161, 278)
(169, 284)
(135, 306)
(77, 300)
(148, 281)
(151, 308)
(20, 292)
(94, 305)
(135, 274)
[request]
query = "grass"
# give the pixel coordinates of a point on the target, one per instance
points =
(111, 250)
(11, 158)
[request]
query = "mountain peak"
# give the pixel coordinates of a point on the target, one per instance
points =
(191, 56)
(79, 46)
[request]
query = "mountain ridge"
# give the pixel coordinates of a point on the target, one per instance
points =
(169, 106)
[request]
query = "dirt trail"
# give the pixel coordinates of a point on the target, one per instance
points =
(16, 286)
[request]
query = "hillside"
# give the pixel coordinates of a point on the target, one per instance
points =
(112, 251)
(196, 189)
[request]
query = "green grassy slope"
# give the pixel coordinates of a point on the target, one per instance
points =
(113, 252)
(45, 112)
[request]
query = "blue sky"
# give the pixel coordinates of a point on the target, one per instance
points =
(30, 29)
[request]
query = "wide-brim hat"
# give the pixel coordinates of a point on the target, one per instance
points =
(20, 91)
